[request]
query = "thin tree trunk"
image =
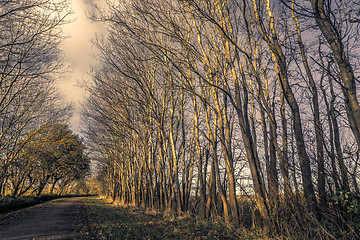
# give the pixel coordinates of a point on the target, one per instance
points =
(281, 70)
(334, 39)
(316, 115)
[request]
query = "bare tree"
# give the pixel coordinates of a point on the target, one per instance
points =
(30, 63)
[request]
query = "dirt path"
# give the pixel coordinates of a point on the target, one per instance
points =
(58, 220)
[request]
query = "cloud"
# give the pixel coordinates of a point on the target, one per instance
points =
(78, 52)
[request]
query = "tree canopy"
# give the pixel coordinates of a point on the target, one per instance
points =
(52, 155)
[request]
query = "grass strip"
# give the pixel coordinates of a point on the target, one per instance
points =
(109, 221)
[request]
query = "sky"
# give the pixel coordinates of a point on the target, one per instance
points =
(78, 52)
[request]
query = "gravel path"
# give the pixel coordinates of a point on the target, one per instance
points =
(58, 220)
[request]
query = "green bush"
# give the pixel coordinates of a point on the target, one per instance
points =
(348, 206)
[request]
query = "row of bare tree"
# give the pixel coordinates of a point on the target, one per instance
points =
(30, 63)
(197, 104)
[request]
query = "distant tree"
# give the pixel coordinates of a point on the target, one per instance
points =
(55, 156)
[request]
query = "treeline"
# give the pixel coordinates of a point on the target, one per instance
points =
(213, 105)
(30, 102)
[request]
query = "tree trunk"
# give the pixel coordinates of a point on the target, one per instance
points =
(316, 115)
(334, 39)
(281, 70)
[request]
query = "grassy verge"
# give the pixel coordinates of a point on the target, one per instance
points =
(9, 216)
(108, 221)
(8, 204)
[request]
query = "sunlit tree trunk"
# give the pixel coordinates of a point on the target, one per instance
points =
(281, 68)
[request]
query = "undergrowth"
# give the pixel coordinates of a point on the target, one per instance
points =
(111, 221)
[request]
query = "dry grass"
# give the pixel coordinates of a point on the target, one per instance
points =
(113, 221)
(117, 221)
